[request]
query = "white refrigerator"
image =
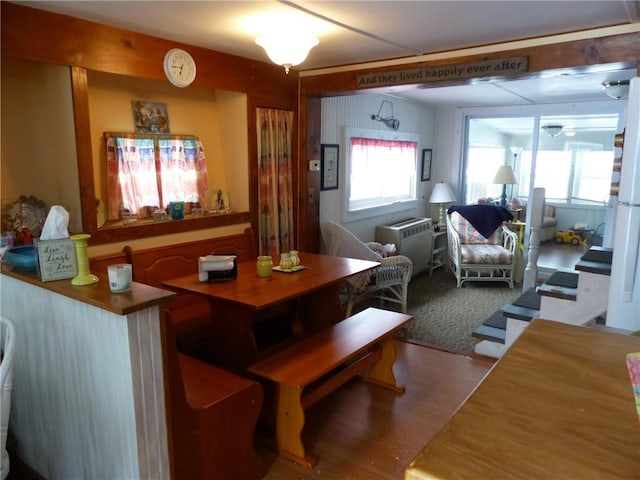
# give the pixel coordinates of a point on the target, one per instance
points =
(624, 295)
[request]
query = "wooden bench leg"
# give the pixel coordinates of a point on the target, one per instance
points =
(289, 424)
(381, 373)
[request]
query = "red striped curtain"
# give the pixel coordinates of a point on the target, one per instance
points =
(275, 190)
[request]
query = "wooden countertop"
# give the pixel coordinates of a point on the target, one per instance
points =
(141, 296)
(558, 405)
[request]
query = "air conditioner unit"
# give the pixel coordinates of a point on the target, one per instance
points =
(412, 237)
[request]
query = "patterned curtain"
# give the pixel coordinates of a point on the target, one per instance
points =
(131, 175)
(153, 170)
(183, 170)
(275, 191)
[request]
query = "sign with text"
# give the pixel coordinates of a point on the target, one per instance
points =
(487, 68)
(57, 259)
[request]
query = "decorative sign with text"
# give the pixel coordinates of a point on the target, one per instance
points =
(489, 68)
(57, 259)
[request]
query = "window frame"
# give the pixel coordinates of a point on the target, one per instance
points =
(395, 206)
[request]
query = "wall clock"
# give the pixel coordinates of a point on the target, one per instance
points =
(179, 67)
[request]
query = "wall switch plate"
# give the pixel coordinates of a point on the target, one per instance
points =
(314, 165)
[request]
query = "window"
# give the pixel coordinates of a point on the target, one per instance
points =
(381, 172)
(573, 165)
(581, 173)
(145, 172)
(482, 165)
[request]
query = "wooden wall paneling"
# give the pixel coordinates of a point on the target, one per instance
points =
(84, 152)
(41, 36)
(48, 37)
(310, 115)
(583, 54)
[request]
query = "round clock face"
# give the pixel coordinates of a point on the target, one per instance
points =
(179, 67)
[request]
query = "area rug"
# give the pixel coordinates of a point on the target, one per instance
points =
(445, 316)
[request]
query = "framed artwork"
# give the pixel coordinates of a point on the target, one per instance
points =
(329, 161)
(57, 259)
(426, 165)
(150, 117)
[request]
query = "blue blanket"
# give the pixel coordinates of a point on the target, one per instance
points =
(484, 218)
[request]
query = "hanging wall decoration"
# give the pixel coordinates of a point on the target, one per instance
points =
(426, 165)
(329, 169)
(150, 117)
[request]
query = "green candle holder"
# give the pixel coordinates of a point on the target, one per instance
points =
(84, 277)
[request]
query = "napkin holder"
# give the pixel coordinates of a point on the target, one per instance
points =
(215, 268)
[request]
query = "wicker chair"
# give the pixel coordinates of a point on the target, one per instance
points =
(474, 257)
(7, 353)
(388, 282)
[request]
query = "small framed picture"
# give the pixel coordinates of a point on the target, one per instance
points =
(329, 161)
(57, 259)
(426, 165)
(150, 117)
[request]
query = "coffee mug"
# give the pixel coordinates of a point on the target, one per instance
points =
(120, 277)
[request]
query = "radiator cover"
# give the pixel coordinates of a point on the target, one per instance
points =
(413, 238)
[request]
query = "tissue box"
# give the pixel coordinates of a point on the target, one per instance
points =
(57, 259)
(214, 268)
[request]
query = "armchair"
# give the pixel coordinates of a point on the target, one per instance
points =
(388, 282)
(473, 256)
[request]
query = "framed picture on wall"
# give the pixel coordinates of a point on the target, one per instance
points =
(150, 117)
(329, 162)
(426, 165)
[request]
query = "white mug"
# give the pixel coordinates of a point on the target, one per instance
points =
(120, 277)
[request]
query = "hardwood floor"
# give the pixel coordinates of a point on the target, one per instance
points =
(363, 432)
(554, 256)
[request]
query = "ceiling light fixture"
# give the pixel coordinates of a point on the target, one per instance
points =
(552, 130)
(391, 122)
(285, 50)
(616, 89)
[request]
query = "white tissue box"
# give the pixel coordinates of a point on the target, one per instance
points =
(57, 259)
(212, 268)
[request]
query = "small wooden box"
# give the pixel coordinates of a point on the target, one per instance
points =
(57, 259)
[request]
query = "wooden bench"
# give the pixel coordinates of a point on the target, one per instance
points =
(307, 370)
(211, 419)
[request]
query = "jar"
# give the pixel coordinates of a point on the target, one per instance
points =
(264, 266)
(295, 259)
(285, 261)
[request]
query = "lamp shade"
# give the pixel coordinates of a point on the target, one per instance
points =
(286, 51)
(442, 193)
(505, 176)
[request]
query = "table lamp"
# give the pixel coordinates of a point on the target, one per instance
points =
(442, 194)
(505, 176)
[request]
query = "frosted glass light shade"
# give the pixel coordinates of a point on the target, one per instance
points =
(616, 89)
(285, 50)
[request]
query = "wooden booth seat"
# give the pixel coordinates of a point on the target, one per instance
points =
(310, 368)
(190, 314)
(212, 418)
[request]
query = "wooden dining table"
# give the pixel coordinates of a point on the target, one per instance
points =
(252, 315)
(558, 405)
